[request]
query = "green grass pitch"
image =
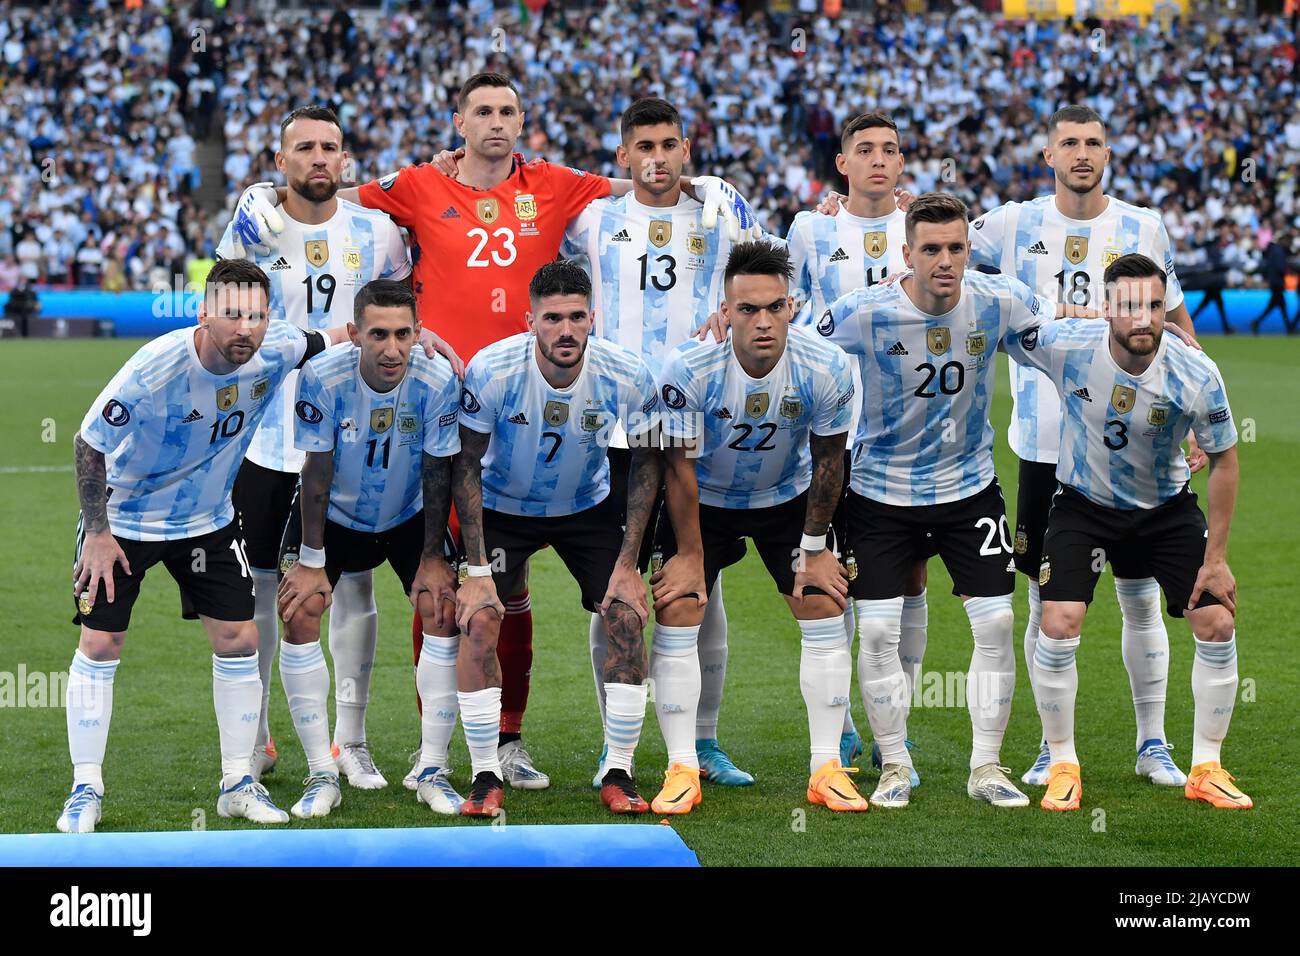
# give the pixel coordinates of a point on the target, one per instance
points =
(162, 763)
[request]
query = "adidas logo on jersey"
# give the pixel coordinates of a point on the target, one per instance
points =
(520, 419)
(193, 416)
(279, 264)
(896, 349)
(723, 412)
(450, 213)
(1083, 394)
(621, 236)
(1038, 249)
(839, 255)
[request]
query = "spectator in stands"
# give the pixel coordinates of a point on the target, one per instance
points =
(90, 264)
(9, 274)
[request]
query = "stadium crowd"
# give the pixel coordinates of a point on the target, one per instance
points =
(1202, 115)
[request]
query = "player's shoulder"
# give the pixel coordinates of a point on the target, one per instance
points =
(163, 359)
(999, 214)
(999, 285)
(505, 355)
(1074, 333)
(335, 365)
(809, 348)
(805, 221)
(612, 357)
(1190, 364)
(1120, 207)
(699, 357)
(355, 211)
(433, 371)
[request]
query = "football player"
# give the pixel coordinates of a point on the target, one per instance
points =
(923, 481)
(378, 425)
(755, 428)
(536, 415)
(1128, 395)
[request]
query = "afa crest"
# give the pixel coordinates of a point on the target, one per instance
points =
(1122, 399)
(977, 343)
(592, 421)
(381, 419)
(1108, 256)
(352, 259)
(318, 251)
(695, 245)
(260, 388)
(661, 233)
(525, 207)
(226, 397)
(406, 424)
(1158, 415)
(1044, 573)
(791, 407)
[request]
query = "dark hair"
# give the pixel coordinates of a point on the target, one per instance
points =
(385, 293)
(758, 258)
(323, 113)
(479, 80)
(933, 207)
(1133, 266)
(650, 111)
(238, 272)
(1075, 113)
(865, 121)
(561, 277)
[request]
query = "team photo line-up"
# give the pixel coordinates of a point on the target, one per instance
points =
(461, 363)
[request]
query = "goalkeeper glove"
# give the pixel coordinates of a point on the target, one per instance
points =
(719, 195)
(256, 222)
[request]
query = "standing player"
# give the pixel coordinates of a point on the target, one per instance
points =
(1060, 245)
(756, 426)
(327, 250)
(165, 439)
(1129, 394)
(923, 481)
(834, 254)
(477, 240)
(378, 424)
(656, 275)
(536, 415)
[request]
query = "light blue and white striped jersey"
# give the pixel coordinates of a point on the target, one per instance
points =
(174, 434)
(833, 255)
(378, 438)
(924, 437)
(753, 432)
(547, 455)
(1122, 434)
(315, 273)
(1063, 260)
(656, 273)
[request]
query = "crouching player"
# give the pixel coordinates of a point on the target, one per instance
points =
(755, 427)
(1129, 395)
(378, 423)
(536, 415)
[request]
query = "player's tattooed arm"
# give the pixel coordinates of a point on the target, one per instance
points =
(827, 482)
(467, 491)
(92, 486)
(433, 590)
(683, 574)
(644, 479)
(435, 484)
(317, 475)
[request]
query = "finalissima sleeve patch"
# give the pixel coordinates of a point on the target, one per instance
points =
(1219, 416)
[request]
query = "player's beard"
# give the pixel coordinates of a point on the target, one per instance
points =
(1082, 188)
(240, 356)
(315, 191)
(1142, 346)
(548, 353)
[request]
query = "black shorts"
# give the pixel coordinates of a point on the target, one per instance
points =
(1033, 501)
(264, 500)
(620, 461)
(588, 542)
(776, 532)
(348, 551)
(970, 536)
(1166, 543)
(211, 570)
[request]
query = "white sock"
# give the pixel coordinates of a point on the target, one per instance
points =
(712, 649)
(1057, 680)
(353, 634)
(266, 616)
(991, 681)
(435, 679)
(1214, 691)
(1145, 645)
(850, 629)
(306, 682)
(675, 670)
(598, 644)
(825, 672)
(881, 677)
(480, 715)
(1031, 639)
(912, 637)
(624, 715)
(89, 704)
(237, 697)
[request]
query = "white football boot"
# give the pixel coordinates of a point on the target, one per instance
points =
(434, 789)
(81, 811)
(517, 768)
(895, 786)
(355, 762)
(249, 799)
(321, 796)
(990, 782)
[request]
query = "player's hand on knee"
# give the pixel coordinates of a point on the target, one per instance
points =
(435, 344)
(681, 576)
(433, 592)
(300, 584)
(822, 570)
(716, 325)
(99, 553)
(475, 595)
(447, 162)
(1215, 577)
(626, 586)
